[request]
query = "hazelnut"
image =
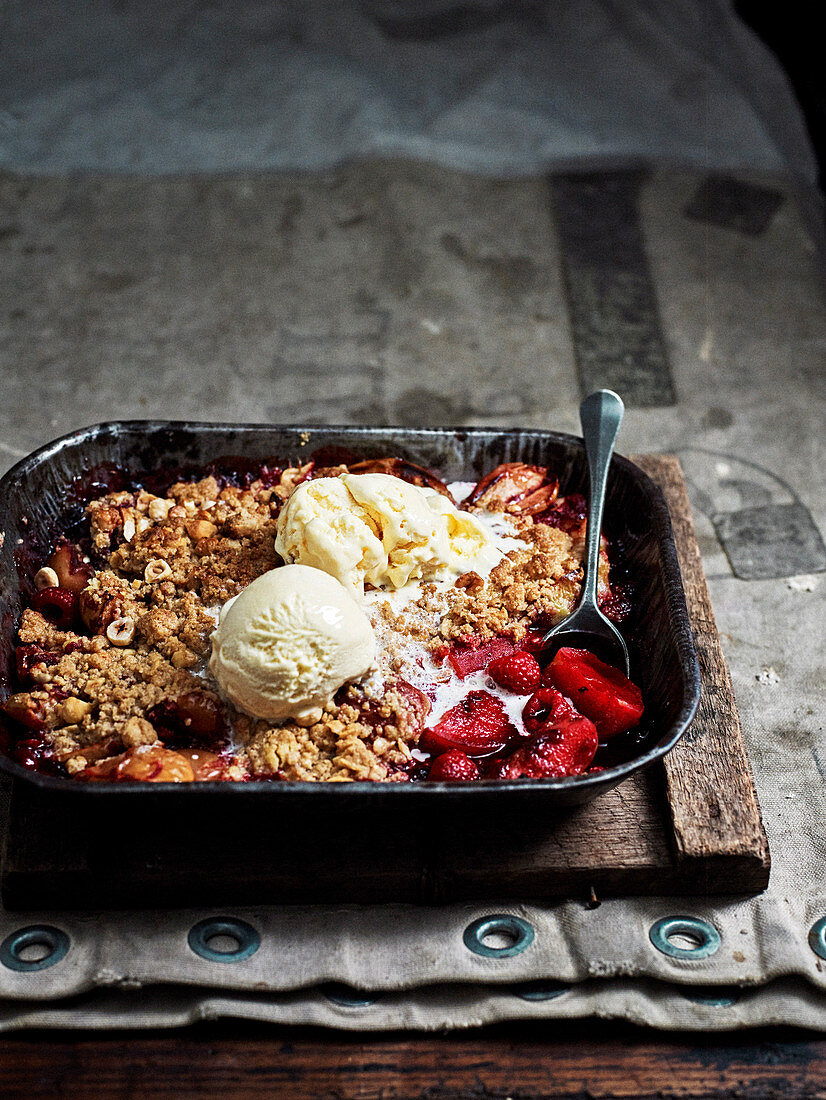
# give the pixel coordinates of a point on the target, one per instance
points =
(129, 529)
(106, 518)
(120, 632)
(73, 710)
(156, 570)
(46, 578)
(158, 508)
(309, 718)
(200, 529)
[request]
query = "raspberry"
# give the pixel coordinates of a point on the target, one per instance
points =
(519, 673)
(599, 691)
(479, 726)
(453, 764)
(566, 749)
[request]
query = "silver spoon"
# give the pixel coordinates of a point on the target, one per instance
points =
(586, 627)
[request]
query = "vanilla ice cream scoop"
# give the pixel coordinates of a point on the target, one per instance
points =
(380, 529)
(288, 642)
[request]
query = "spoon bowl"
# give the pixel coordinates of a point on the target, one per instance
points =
(586, 627)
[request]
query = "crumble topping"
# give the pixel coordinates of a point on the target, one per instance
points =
(134, 667)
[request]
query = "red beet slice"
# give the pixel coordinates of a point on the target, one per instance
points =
(599, 691)
(453, 764)
(478, 725)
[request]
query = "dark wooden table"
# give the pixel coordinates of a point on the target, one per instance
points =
(587, 1059)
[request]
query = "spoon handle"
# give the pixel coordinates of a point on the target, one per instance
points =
(600, 415)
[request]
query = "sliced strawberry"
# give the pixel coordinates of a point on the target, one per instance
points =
(566, 749)
(599, 691)
(479, 726)
(519, 672)
(468, 659)
(545, 709)
(453, 764)
(413, 706)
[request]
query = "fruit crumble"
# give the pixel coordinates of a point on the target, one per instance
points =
(335, 623)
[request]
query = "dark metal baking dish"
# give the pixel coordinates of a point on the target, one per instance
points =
(36, 493)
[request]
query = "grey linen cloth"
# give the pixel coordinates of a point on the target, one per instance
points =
(745, 333)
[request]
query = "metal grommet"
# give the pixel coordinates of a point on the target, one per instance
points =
(817, 937)
(54, 940)
(716, 996)
(502, 924)
(244, 935)
(539, 991)
(704, 936)
(346, 996)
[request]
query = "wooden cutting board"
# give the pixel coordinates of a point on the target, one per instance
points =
(689, 825)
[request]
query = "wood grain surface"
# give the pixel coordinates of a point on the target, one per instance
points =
(593, 1061)
(715, 815)
(690, 825)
